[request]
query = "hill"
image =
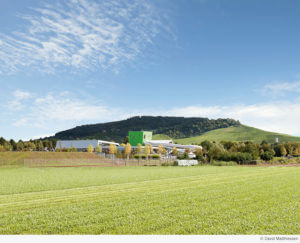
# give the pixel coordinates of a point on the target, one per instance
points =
(174, 127)
(239, 133)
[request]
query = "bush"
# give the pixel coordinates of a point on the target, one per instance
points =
(140, 156)
(185, 155)
(155, 156)
(224, 163)
(175, 163)
(143, 156)
(267, 156)
(240, 158)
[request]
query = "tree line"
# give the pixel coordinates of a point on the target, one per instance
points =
(31, 145)
(244, 152)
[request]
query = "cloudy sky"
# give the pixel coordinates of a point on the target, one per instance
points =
(72, 62)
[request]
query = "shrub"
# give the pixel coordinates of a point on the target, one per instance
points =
(140, 156)
(267, 156)
(143, 156)
(155, 156)
(240, 158)
(175, 163)
(224, 163)
(185, 155)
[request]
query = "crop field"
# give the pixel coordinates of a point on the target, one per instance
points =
(150, 200)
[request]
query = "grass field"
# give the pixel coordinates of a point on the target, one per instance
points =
(239, 133)
(150, 200)
(17, 158)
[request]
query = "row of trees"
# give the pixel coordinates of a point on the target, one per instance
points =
(146, 152)
(243, 152)
(31, 145)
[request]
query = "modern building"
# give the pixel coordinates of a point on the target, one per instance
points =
(81, 145)
(145, 138)
(139, 137)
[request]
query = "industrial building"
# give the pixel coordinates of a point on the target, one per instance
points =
(139, 137)
(134, 137)
(81, 145)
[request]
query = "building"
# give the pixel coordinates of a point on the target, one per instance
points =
(145, 138)
(139, 137)
(81, 145)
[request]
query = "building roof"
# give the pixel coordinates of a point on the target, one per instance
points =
(81, 144)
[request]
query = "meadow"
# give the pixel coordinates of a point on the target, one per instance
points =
(150, 200)
(17, 158)
(238, 133)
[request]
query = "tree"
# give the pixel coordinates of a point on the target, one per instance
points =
(112, 149)
(175, 151)
(160, 149)
(206, 145)
(73, 149)
(98, 149)
(20, 145)
(147, 151)
(151, 149)
(29, 146)
(13, 144)
(268, 155)
(2, 141)
(139, 148)
(2, 149)
(127, 150)
(280, 150)
(289, 148)
(39, 145)
(90, 148)
(252, 149)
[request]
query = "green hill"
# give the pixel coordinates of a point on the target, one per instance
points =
(175, 127)
(239, 133)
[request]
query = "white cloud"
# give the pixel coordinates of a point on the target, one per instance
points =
(82, 34)
(58, 112)
(281, 88)
(21, 95)
(281, 117)
(52, 113)
(17, 101)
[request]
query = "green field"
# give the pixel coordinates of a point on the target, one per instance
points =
(150, 200)
(239, 133)
(17, 158)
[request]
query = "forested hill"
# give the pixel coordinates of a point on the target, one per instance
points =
(175, 127)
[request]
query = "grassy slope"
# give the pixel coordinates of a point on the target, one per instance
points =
(239, 133)
(17, 158)
(160, 137)
(150, 200)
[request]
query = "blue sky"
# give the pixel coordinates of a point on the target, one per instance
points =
(72, 62)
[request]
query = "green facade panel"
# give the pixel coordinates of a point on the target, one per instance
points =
(138, 137)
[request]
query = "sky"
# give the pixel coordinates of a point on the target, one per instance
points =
(73, 62)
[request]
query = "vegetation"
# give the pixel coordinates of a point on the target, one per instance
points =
(161, 137)
(245, 152)
(98, 149)
(90, 149)
(127, 150)
(32, 145)
(238, 134)
(17, 158)
(150, 200)
(175, 127)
